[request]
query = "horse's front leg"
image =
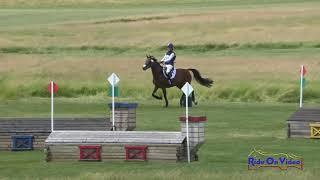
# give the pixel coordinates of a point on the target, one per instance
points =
(154, 91)
(165, 96)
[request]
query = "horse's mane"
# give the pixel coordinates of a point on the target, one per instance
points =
(153, 58)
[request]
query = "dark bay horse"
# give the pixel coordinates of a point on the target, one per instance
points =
(182, 76)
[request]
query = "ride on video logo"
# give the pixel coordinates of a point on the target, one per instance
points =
(259, 159)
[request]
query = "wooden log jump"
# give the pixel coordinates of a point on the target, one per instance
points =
(39, 129)
(304, 123)
(126, 145)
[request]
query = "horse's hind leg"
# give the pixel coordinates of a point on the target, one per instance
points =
(165, 96)
(193, 98)
(181, 99)
(154, 91)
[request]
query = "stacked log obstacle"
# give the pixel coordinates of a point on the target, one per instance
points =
(30, 133)
(304, 123)
(126, 145)
(125, 116)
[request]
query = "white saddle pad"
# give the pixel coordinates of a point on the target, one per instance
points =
(173, 74)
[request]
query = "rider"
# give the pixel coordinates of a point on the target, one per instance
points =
(168, 61)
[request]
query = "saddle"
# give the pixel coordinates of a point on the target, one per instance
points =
(172, 73)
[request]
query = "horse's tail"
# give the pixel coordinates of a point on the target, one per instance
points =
(203, 81)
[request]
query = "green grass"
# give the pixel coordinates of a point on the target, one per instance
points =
(140, 3)
(232, 131)
(252, 49)
(142, 25)
(192, 49)
(77, 45)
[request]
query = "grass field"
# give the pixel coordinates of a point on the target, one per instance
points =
(232, 131)
(252, 49)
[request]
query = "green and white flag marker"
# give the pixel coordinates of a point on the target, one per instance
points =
(187, 90)
(113, 80)
(303, 71)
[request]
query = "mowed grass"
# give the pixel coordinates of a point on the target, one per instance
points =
(194, 23)
(232, 131)
(251, 49)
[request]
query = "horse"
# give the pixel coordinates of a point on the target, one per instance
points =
(182, 76)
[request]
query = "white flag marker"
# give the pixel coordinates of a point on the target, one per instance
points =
(187, 90)
(113, 80)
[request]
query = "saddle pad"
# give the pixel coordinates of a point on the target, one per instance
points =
(173, 73)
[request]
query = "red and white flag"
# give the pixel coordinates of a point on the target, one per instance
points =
(303, 70)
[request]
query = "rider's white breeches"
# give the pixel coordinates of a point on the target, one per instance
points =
(168, 68)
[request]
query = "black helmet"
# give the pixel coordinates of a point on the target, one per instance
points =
(170, 46)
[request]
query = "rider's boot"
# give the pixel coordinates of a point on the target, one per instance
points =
(168, 77)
